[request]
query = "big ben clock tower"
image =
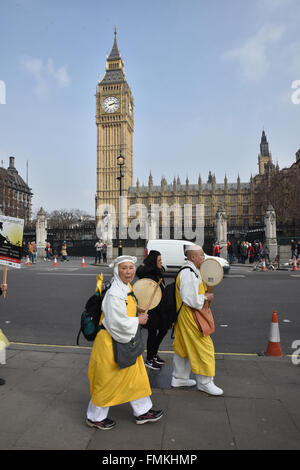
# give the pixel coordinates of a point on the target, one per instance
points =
(114, 120)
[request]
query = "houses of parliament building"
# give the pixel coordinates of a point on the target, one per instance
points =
(115, 127)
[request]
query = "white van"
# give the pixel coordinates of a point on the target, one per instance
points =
(173, 253)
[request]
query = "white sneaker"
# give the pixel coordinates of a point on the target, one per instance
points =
(183, 382)
(210, 388)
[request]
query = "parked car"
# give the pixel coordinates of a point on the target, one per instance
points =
(173, 254)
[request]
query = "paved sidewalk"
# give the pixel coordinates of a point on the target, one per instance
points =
(44, 400)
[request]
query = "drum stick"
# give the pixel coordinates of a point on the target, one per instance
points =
(4, 279)
(152, 296)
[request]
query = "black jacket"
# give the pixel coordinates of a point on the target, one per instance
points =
(156, 317)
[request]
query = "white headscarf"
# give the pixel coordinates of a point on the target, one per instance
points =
(118, 287)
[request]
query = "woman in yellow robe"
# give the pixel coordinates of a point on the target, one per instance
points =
(109, 385)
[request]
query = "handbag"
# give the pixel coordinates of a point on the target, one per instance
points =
(126, 354)
(204, 319)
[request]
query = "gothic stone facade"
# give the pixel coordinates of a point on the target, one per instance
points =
(15, 194)
(115, 125)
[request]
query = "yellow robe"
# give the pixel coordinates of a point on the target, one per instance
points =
(110, 385)
(189, 340)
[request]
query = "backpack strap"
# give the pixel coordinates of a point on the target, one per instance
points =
(77, 341)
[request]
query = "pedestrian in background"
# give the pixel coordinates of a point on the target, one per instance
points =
(98, 246)
(293, 249)
(217, 249)
(298, 249)
(230, 252)
(48, 251)
(30, 252)
(63, 251)
(251, 253)
(34, 250)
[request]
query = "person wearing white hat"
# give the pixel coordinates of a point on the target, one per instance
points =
(193, 351)
(110, 385)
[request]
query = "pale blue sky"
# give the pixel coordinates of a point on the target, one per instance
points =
(206, 76)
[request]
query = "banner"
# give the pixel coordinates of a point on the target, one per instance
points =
(11, 239)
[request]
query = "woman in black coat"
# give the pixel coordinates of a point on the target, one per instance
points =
(152, 269)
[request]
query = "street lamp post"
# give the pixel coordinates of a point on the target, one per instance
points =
(121, 161)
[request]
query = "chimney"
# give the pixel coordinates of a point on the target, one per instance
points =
(11, 162)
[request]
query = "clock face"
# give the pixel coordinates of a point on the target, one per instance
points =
(110, 104)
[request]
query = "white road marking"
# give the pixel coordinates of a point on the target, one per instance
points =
(234, 275)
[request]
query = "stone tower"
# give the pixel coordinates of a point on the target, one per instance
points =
(265, 156)
(115, 125)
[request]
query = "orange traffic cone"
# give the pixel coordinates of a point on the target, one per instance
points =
(295, 267)
(27, 261)
(55, 261)
(274, 347)
(83, 262)
(263, 268)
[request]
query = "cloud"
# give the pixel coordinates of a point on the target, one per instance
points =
(45, 74)
(252, 56)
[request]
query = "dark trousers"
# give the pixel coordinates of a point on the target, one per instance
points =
(98, 257)
(155, 337)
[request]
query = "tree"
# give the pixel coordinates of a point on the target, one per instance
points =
(281, 188)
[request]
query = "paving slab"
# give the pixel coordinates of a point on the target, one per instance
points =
(43, 406)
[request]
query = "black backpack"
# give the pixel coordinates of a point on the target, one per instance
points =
(90, 317)
(168, 301)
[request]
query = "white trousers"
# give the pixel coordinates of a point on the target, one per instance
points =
(139, 407)
(182, 370)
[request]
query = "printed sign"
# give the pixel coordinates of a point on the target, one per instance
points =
(11, 238)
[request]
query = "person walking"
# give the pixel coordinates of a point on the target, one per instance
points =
(30, 252)
(230, 252)
(244, 252)
(110, 385)
(48, 251)
(63, 251)
(34, 250)
(251, 253)
(217, 249)
(98, 246)
(193, 349)
(293, 249)
(157, 324)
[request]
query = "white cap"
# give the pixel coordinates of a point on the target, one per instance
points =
(123, 259)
